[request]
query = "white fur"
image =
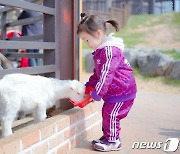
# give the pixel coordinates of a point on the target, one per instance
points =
(33, 94)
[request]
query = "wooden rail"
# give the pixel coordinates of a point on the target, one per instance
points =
(26, 45)
(28, 6)
(29, 42)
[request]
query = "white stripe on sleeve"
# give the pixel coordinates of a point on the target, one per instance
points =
(105, 69)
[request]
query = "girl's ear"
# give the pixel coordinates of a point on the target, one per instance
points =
(99, 33)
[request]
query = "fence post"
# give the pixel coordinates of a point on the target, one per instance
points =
(108, 5)
(3, 27)
(173, 1)
(151, 6)
(49, 36)
(65, 42)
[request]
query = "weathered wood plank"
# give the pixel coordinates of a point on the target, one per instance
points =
(28, 38)
(28, 6)
(26, 45)
(20, 55)
(25, 21)
(29, 70)
(6, 9)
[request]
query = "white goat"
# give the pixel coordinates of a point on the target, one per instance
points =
(33, 94)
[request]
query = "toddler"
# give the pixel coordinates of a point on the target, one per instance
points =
(112, 80)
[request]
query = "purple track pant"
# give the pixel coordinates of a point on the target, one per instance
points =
(112, 113)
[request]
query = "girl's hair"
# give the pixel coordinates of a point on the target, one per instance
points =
(92, 23)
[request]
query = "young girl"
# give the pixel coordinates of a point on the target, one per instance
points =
(113, 79)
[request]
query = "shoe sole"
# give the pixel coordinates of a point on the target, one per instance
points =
(107, 150)
(117, 149)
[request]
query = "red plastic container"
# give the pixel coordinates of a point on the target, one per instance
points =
(82, 103)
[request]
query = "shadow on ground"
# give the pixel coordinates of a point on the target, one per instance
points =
(170, 132)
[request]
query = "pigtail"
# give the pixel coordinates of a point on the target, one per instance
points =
(114, 24)
(83, 17)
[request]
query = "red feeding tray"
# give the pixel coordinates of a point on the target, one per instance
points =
(82, 103)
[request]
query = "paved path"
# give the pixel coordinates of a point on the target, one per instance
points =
(155, 117)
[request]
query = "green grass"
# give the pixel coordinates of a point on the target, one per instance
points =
(176, 19)
(135, 21)
(84, 64)
(170, 81)
(175, 23)
(173, 53)
(131, 38)
(84, 45)
(136, 71)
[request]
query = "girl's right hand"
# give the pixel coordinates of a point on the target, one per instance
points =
(91, 99)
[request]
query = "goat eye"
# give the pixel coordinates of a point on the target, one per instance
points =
(78, 93)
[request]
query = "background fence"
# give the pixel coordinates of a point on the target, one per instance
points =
(9, 21)
(154, 6)
(108, 10)
(136, 6)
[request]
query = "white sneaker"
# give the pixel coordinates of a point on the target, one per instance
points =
(97, 141)
(104, 145)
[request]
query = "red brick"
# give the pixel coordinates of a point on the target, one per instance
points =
(63, 149)
(48, 130)
(75, 141)
(63, 122)
(56, 140)
(81, 126)
(7, 146)
(42, 148)
(97, 129)
(94, 107)
(69, 133)
(89, 121)
(84, 135)
(97, 117)
(30, 139)
(87, 134)
(86, 111)
(74, 115)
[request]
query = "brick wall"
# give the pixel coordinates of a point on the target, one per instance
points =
(56, 135)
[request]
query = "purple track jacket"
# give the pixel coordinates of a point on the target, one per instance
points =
(113, 77)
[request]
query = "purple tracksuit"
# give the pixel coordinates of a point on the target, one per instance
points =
(114, 82)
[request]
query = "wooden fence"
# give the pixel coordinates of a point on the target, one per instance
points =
(26, 42)
(58, 21)
(114, 13)
(59, 40)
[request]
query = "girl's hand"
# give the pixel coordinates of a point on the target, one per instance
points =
(91, 99)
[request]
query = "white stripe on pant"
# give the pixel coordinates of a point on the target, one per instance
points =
(113, 116)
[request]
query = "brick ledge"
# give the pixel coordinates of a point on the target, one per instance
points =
(58, 134)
